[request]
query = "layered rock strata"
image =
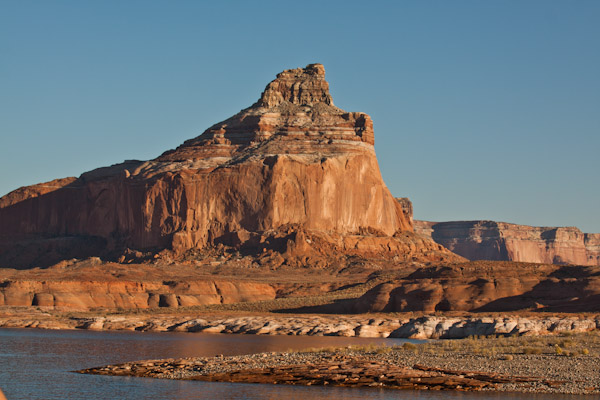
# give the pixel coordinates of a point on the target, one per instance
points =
(490, 240)
(487, 286)
(471, 287)
(85, 295)
(290, 162)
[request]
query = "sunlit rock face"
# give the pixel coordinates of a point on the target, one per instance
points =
(292, 161)
(490, 240)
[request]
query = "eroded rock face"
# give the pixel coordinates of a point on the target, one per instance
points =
(488, 286)
(29, 192)
(292, 159)
(425, 327)
(85, 295)
(407, 207)
(490, 240)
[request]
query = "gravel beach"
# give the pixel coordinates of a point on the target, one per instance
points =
(524, 364)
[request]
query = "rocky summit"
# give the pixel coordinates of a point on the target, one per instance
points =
(291, 174)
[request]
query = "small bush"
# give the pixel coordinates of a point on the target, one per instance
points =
(409, 346)
(383, 350)
(565, 343)
(330, 349)
(558, 350)
(532, 350)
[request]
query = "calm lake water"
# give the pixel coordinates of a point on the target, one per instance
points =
(36, 364)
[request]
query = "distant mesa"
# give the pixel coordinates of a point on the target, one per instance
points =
(292, 174)
(491, 240)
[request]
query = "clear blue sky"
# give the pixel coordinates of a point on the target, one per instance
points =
(482, 109)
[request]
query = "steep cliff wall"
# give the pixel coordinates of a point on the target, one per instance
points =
(592, 248)
(490, 240)
(292, 161)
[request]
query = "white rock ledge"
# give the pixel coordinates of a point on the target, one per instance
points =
(426, 327)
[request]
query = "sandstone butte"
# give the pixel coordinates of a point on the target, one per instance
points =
(290, 165)
(490, 240)
(289, 182)
(284, 200)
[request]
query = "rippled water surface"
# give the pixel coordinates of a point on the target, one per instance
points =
(35, 364)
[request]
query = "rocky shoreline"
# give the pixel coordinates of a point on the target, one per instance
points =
(413, 327)
(519, 352)
(409, 366)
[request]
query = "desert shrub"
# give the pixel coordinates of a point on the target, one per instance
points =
(453, 345)
(565, 343)
(383, 350)
(330, 349)
(532, 350)
(409, 346)
(534, 341)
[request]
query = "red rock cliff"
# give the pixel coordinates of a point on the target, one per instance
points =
(487, 286)
(292, 159)
(490, 240)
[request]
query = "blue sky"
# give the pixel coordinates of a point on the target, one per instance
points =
(482, 109)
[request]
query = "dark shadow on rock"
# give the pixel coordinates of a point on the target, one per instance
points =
(43, 252)
(568, 289)
(341, 306)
